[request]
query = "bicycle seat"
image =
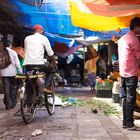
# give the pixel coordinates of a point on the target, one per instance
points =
(21, 74)
(35, 69)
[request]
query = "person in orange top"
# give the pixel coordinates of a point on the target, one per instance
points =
(90, 69)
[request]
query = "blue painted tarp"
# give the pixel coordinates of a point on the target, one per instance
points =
(53, 15)
(105, 35)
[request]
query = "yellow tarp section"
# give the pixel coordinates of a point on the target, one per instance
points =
(83, 18)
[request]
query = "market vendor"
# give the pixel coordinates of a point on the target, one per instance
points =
(90, 69)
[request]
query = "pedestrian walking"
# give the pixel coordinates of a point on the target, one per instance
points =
(8, 76)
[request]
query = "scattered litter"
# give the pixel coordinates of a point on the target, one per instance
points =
(58, 101)
(72, 100)
(37, 132)
(66, 103)
(94, 111)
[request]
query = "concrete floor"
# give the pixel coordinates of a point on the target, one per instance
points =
(67, 123)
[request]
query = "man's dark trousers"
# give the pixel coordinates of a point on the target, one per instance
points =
(129, 86)
(9, 86)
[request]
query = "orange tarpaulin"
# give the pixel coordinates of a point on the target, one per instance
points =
(98, 16)
(113, 10)
(113, 7)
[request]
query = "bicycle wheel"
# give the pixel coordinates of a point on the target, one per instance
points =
(50, 99)
(27, 110)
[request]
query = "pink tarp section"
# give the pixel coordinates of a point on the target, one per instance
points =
(115, 8)
(112, 2)
(63, 51)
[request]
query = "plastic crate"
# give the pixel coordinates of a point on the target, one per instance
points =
(104, 93)
(104, 85)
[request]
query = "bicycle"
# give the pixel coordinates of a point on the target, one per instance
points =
(32, 96)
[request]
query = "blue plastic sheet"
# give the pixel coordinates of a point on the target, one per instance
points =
(53, 15)
(105, 35)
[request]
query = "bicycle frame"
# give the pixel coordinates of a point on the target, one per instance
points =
(30, 92)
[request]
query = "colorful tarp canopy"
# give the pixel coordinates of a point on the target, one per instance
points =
(103, 15)
(54, 15)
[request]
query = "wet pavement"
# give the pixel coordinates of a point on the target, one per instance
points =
(67, 123)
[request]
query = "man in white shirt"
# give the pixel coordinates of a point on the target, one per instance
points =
(35, 46)
(8, 77)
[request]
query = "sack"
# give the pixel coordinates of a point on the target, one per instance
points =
(5, 59)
